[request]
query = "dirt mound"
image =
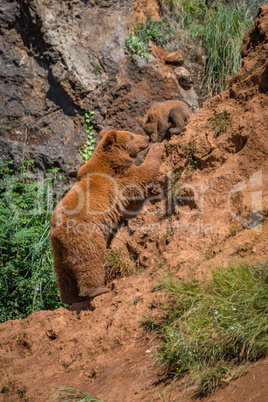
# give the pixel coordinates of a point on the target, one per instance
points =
(102, 352)
(215, 209)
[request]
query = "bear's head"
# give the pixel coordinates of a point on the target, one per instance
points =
(123, 142)
(150, 125)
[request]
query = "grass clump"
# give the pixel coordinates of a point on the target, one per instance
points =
(216, 30)
(158, 31)
(27, 281)
(233, 230)
(65, 394)
(212, 329)
(219, 123)
(222, 32)
(117, 266)
(190, 150)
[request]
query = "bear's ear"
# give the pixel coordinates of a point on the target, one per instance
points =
(140, 121)
(102, 132)
(110, 138)
(152, 117)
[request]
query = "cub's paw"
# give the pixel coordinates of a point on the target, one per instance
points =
(175, 130)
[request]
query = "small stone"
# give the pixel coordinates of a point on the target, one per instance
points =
(174, 58)
(184, 77)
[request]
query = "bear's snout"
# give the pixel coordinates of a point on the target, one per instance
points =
(146, 141)
(142, 141)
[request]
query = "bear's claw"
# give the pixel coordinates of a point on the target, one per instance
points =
(93, 292)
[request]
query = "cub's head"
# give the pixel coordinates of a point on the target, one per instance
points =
(122, 142)
(150, 125)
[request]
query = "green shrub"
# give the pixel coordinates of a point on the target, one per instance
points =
(211, 329)
(158, 31)
(135, 45)
(27, 281)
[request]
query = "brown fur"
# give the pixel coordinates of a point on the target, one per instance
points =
(164, 119)
(79, 247)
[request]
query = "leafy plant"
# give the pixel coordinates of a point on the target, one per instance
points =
(191, 161)
(96, 66)
(175, 186)
(27, 281)
(65, 394)
(89, 146)
(222, 34)
(189, 150)
(158, 31)
(11, 389)
(233, 230)
(211, 330)
(117, 266)
(135, 45)
(219, 122)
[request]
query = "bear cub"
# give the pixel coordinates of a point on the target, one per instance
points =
(164, 119)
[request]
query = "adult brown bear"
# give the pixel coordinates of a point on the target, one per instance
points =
(84, 219)
(164, 119)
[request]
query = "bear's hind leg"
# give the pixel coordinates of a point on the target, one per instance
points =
(67, 283)
(69, 290)
(91, 276)
(176, 121)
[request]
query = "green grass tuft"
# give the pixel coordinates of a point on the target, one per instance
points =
(117, 266)
(190, 150)
(212, 329)
(68, 394)
(219, 122)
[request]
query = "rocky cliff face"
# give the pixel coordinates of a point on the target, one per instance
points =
(59, 59)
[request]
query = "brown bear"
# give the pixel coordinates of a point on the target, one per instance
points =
(164, 119)
(84, 220)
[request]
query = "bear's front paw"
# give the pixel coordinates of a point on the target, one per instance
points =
(157, 150)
